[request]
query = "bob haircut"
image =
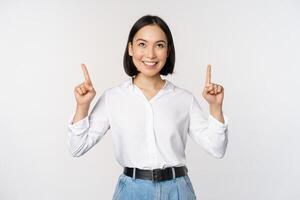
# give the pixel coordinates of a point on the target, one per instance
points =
(128, 64)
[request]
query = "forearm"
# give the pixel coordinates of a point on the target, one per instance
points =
(216, 112)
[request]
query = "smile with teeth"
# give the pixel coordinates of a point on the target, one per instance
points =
(150, 64)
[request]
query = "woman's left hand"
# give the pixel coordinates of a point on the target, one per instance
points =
(212, 93)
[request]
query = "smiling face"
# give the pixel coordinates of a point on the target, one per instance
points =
(149, 50)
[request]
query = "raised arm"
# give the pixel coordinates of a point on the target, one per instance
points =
(86, 130)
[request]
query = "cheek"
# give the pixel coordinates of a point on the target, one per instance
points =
(138, 55)
(163, 55)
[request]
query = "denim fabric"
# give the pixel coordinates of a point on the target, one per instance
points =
(179, 188)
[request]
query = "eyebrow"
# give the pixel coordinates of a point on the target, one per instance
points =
(155, 42)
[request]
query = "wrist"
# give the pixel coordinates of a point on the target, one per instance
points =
(216, 112)
(215, 108)
(83, 106)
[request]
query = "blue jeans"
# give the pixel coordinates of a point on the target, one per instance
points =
(128, 188)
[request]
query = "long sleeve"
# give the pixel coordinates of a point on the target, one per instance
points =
(87, 132)
(210, 133)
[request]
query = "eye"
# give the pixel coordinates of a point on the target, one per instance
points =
(161, 45)
(142, 44)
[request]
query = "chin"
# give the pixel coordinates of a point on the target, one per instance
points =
(149, 74)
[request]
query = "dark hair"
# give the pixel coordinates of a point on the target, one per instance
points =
(128, 64)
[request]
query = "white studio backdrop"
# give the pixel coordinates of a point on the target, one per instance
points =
(253, 47)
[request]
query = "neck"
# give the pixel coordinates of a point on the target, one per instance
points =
(148, 83)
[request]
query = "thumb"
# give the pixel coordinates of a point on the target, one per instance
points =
(206, 89)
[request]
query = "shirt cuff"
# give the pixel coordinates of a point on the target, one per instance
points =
(80, 126)
(216, 125)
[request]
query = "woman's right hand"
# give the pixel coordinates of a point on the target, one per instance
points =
(84, 92)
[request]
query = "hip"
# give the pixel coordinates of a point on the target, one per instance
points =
(129, 188)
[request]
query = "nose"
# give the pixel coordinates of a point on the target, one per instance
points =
(151, 52)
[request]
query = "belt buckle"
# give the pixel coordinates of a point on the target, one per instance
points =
(156, 175)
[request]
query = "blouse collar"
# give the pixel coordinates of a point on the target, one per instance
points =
(129, 84)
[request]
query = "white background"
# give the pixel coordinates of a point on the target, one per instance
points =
(253, 47)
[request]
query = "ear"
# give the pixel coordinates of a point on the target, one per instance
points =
(130, 48)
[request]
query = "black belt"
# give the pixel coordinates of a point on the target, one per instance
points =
(156, 174)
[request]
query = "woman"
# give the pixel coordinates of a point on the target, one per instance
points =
(150, 118)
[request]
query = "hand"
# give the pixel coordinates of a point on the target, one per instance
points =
(85, 91)
(212, 93)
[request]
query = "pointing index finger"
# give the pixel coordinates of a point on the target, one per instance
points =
(86, 73)
(208, 75)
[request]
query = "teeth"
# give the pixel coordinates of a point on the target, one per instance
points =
(150, 63)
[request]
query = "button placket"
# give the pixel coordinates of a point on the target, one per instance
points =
(159, 160)
(152, 146)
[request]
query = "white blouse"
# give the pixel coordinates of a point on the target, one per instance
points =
(148, 134)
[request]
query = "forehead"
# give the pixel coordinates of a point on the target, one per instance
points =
(151, 33)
